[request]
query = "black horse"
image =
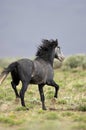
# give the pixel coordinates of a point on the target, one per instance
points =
(39, 71)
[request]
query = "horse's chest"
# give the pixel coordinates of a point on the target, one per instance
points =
(49, 73)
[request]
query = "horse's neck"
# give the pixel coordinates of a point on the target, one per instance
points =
(51, 59)
(43, 61)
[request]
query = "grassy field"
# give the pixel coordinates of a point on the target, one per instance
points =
(68, 112)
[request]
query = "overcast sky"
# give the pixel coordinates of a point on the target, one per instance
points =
(24, 23)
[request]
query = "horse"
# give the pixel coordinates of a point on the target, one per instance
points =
(38, 71)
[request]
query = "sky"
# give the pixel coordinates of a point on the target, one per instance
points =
(24, 23)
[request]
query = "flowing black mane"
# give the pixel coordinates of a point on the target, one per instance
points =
(45, 48)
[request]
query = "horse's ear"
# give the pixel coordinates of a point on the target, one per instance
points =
(57, 41)
(45, 41)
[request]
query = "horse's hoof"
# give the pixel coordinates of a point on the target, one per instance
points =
(56, 96)
(44, 108)
(52, 109)
(53, 100)
(27, 108)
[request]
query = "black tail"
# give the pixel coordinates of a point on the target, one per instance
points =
(6, 71)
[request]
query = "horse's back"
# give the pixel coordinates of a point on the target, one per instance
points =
(25, 64)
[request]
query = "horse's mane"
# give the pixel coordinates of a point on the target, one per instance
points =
(45, 47)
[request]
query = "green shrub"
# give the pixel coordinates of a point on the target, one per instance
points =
(57, 64)
(84, 63)
(74, 62)
(80, 126)
(62, 101)
(4, 62)
(51, 116)
(11, 120)
(82, 107)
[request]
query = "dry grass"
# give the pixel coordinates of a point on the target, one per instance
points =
(68, 111)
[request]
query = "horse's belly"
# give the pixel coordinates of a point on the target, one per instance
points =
(42, 72)
(38, 75)
(37, 79)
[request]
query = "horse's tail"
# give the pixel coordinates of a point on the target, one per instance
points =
(6, 71)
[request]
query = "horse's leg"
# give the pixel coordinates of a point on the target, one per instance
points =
(52, 83)
(22, 93)
(14, 88)
(40, 86)
(15, 81)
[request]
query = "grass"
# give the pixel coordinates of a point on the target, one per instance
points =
(68, 111)
(11, 120)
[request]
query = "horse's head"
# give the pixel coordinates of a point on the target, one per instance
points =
(58, 53)
(49, 50)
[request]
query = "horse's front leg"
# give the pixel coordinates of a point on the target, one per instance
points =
(42, 96)
(52, 83)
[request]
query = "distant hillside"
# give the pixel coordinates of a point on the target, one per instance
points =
(70, 62)
(5, 61)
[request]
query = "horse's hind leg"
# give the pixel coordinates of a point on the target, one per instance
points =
(15, 82)
(22, 93)
(14, 88)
